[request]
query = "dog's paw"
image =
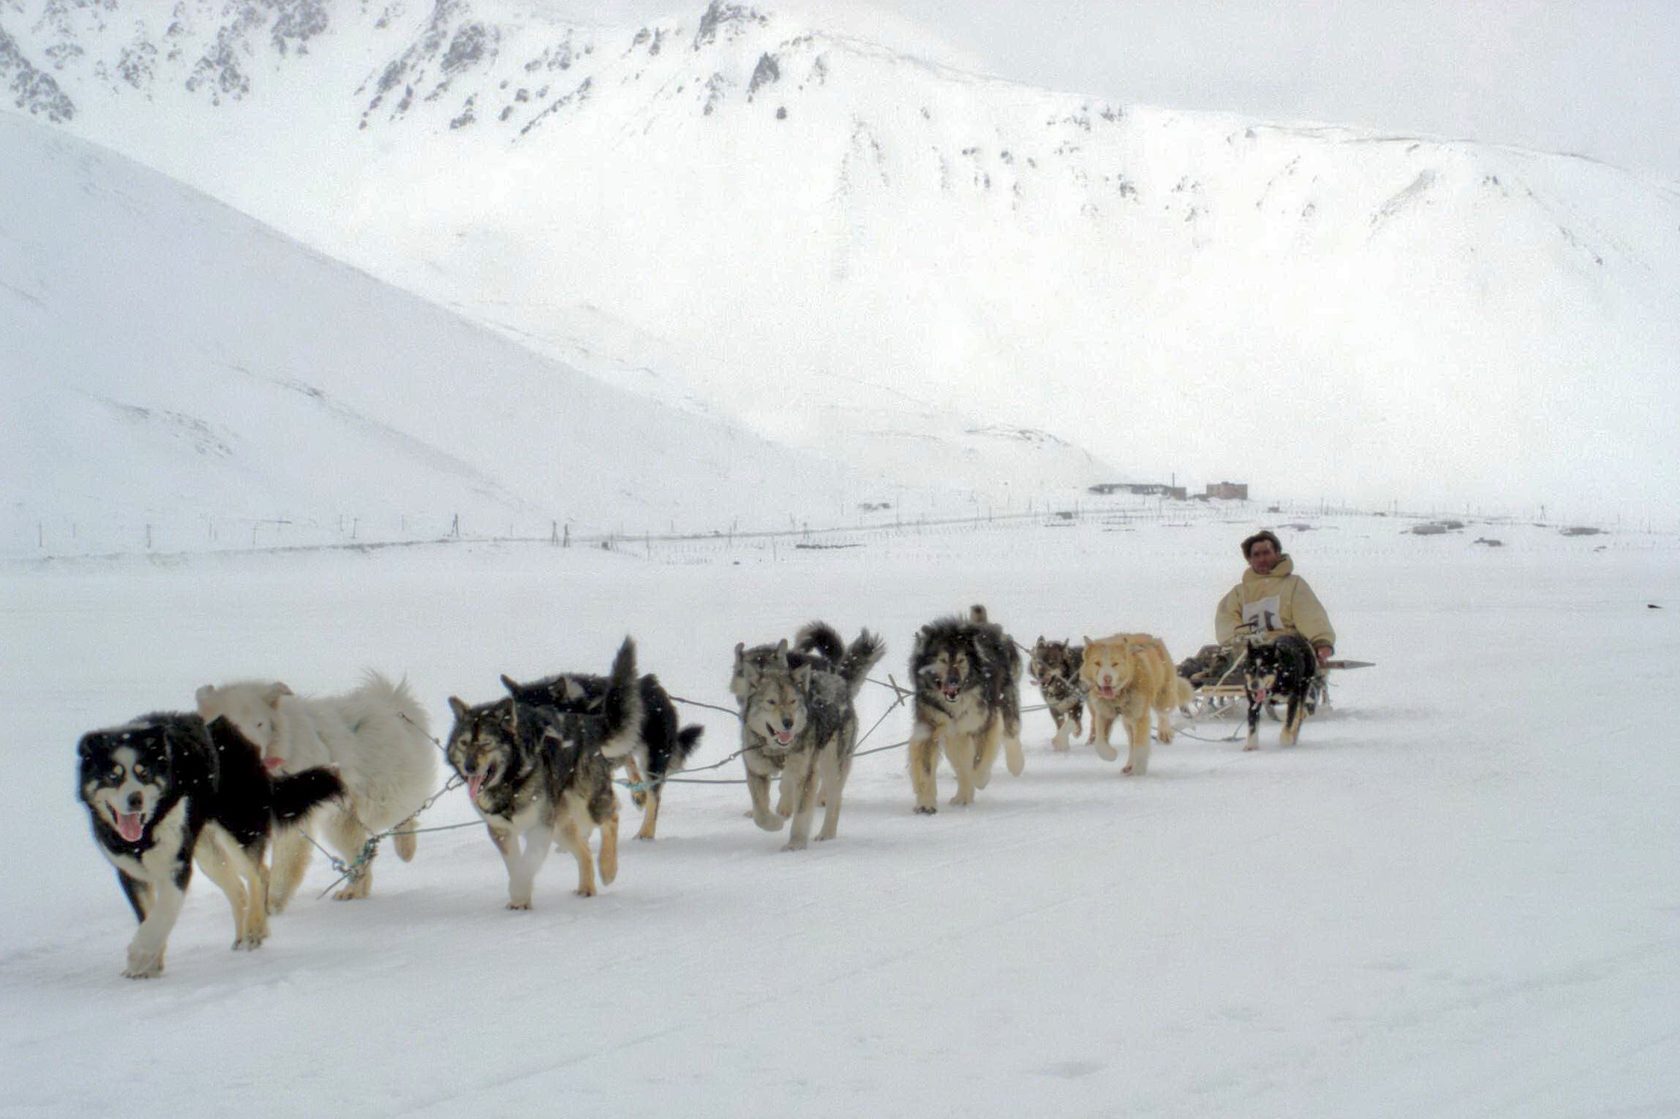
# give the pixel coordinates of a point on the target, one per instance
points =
(925, 810)
(769, 823)
(250, 942)
(1248, 746)
(519, 905)
(585, 891)
(1126, 769)
(1106, 752)
(144, 965)
(961, 800)
(794, 845)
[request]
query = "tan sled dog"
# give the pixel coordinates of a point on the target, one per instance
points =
(1124, 676)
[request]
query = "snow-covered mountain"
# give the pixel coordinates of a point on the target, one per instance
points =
(864, 254)
(171, 363)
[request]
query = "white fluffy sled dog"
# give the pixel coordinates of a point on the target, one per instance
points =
(376, 738)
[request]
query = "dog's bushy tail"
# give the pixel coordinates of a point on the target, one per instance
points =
(859, 657)
(822, 639)
(378, 697)
(622, 705)
(688, 741)
(296, 793)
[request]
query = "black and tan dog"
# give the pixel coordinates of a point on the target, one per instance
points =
(660, 749)
(968, 677)
(1054, 667)
(1284, 668)
(536, 774)
(168, 788)
(799, 720)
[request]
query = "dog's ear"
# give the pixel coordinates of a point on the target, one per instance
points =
(203, 694)
(782, 653)
(87, 744)
(508, 683)
(459, 708)
(740, 652)
(274, 691)
(802, 677)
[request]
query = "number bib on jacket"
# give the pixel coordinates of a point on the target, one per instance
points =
(1264, 614)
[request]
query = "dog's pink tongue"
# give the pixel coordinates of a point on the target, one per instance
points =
(129, 825)
(273, 764)
(474, 783)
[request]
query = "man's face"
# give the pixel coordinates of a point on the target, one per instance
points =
(1262, 557)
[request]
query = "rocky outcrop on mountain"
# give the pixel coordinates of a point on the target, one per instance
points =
(31, 89)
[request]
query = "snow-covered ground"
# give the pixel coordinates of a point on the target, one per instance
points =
(1456, 897)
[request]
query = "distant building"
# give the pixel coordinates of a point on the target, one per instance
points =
(1228, 491)
(1142, 489)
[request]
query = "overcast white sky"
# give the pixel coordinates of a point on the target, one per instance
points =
(1595, 77)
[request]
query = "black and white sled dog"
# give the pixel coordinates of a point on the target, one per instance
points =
(377, 738)
(1284, 668)
(799, 719)
(660, 749)
(536, 774)
(968, 677)
(167, 788)
(1054, 667)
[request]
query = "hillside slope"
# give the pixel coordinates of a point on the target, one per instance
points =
(168, 361)
(857, 251)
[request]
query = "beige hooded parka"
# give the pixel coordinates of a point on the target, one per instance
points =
(1279, 601)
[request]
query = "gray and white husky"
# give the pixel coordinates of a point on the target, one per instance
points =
(377, 739)
(536, 774)
(968, 676)
(798, 719)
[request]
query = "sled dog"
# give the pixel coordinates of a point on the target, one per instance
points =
(1283, 668)
(801, 720)
(1054, 667)
(660, 749)
(537, 773)
(1124, 676)
(167, 788)
(967, 674)
(378, 741)
(817, 645)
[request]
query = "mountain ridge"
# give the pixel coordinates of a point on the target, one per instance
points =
(761, 212)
